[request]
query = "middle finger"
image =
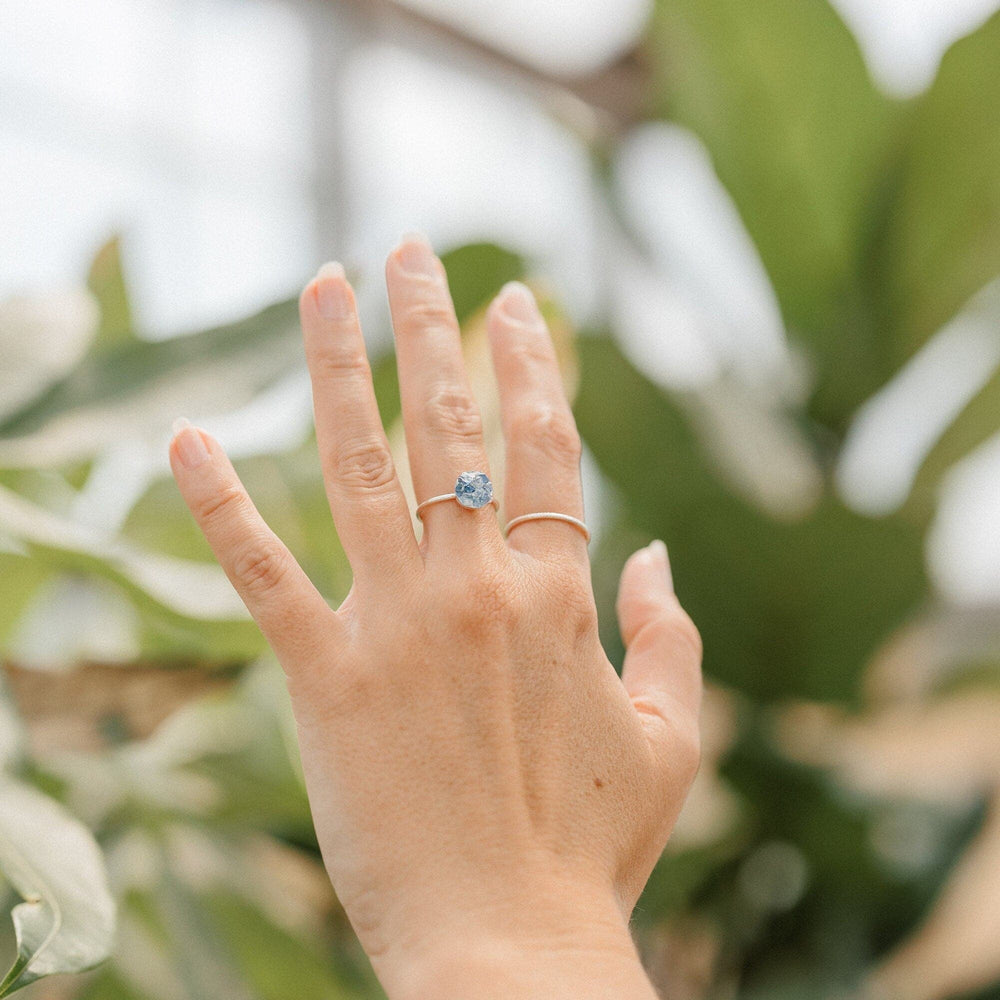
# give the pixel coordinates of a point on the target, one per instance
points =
(444, 433)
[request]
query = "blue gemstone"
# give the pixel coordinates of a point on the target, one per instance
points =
(473, 489)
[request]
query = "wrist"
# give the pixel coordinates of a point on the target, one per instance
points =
(577, 948)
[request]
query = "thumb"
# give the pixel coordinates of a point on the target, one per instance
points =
(662, 671)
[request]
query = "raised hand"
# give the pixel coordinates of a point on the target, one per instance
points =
(489, 796)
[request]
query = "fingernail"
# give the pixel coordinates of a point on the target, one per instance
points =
(190, 445)
(519, 304)
(416, 256)
(659, 552)
(333, 299)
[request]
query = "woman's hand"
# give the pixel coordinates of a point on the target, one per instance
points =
(489, 796)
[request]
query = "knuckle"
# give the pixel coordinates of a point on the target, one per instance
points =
(552, 429)
(339, 365)
(484, 600)
(260, 568)
(576, 606)
(427, 315)
(454, 412)
(676, 629)
(364, 465)
(533, 352)
(221, 505)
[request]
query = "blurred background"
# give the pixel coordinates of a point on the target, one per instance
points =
(767, 237)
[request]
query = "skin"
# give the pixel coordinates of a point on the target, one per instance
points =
(489, 796)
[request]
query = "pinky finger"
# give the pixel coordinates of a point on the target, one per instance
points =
(294, 617)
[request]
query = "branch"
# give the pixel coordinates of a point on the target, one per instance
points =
(603, 104)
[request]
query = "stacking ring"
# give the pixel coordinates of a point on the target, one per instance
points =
(549, 515)
(472, 490)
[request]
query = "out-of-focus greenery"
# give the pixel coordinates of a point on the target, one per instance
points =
(842, 836)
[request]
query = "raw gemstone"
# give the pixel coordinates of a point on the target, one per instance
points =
(473, 489)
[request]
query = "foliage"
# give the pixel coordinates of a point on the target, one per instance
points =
(820, 850)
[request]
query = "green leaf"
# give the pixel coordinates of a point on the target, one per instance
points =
(142, 387)
(943, 233)
(784, 607)
(977, 423)
(42, 339)
(779, 92)
(476, 272)
(287, 489)
(190, 606)
(20, 579)
(274, 962)
(12, 733)
(106, 281)
(66, 922)
(108, 985)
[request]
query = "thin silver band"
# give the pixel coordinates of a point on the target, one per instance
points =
(448, 496)
(548, 515)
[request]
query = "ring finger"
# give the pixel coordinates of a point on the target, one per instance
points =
(543, 444)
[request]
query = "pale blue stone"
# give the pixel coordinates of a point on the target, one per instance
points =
(473, 489)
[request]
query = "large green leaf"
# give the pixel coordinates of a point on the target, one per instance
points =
(943, 236)
(784, 607)
(66, 922)
(138, 388)
(476, 272)
(189, 607)
(778, 91)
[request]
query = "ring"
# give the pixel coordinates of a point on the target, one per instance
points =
(472, 490)
(548, 515)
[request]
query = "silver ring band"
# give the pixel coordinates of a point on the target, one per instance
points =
(550, 515)
(442, 498)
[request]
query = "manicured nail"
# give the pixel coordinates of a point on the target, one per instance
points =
(191, 448)
(659, 552)
(416, 256)
(519, 304)
(333, 299)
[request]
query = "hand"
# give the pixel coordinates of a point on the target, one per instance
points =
(489, 797)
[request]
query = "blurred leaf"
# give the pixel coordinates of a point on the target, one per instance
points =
(12, 734)
(954, 951)
(108, 985)
(476, 272)
(20, 579)
(275, 963)
(247, 744)
(66, 922)
(288, 490)
(975, 327)
(64, 322)
(976, 424)
(106, 281)
(140, 387)
(943, 239)
(784, 607)
(779, 92)
(190, 607)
